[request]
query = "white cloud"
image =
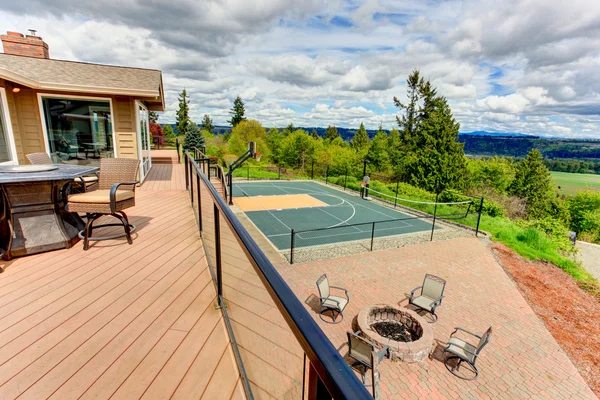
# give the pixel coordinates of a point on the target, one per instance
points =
(515, 65)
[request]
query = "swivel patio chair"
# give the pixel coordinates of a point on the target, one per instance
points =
(366, 355)
(116, 192)
(83, 183)
(432, 293)
(462, 351)
(333, 304)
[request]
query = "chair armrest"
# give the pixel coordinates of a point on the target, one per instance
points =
(412, 292)
(340, 288)
(464, 330)
(113, 192)
(65, 190)
(437, 302)
(327, 298)
(385, 352)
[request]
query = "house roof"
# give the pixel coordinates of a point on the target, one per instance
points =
(70, 76)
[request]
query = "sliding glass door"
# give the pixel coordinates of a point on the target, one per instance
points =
(8, 152)
(144, 140)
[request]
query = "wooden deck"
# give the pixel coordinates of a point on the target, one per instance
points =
(119, 321)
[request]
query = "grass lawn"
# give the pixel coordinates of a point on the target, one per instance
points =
(572, 183)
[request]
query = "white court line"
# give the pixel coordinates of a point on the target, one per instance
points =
(339, 219)
(273, 215)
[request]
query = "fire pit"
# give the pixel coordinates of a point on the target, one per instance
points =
(409, 336)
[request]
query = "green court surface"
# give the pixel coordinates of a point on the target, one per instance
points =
(343, 210)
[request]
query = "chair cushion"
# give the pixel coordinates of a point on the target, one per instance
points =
(332, 304)
(423, 302)
(89, 179)
(457, 347)
(100, 196)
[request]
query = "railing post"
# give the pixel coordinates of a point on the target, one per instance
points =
(312, 171)
(218, 255)
(326, 174)
(192, 182)
(199, 203)
(278, 173)
(396, 198)
(434, 216)
(479, 217)
(230, 177)
(316, 388)
(187, 178)
(372, 235)
(247, 172)
(292, 248)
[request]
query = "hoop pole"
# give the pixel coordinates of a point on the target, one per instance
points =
(396, 198)
(479, 217)
(327, 174)
(312, 171)
(346, 179)
(372, 235)
(434, 216)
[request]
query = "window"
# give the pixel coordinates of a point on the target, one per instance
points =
(79, 131)
(7, 148)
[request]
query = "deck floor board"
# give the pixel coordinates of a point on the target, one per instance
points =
(119, 321)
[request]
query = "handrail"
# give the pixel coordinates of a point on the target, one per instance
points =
(332, 369)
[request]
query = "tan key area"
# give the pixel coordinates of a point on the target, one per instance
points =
(259, 203)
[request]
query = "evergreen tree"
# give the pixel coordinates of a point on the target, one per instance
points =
(331, 133)
(533, 182)
(207, 124)
(409, 123)
(432, 158)
(360, 141)
(291, 128)
(183, 114)
(314, 134)
(237, 112)
(193, 138)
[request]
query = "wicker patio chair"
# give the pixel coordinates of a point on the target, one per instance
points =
(83, 183)
(334, 304)
(462, 351)
(366, 355)
(432, 293)
(116, 192)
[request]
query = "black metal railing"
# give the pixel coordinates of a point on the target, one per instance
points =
(266, 322)
(365, 234)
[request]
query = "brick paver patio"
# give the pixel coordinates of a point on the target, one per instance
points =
(522, 360)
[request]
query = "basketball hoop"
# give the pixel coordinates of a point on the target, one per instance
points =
(257, 156)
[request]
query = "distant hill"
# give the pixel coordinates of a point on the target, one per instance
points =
(496, 134)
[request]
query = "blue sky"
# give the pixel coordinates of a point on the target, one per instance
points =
(527, 66)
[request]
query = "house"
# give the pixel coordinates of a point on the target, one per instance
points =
(77, 112)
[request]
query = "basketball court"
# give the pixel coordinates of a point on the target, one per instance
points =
(278, 207)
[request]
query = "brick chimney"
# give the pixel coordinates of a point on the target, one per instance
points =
(17, 44)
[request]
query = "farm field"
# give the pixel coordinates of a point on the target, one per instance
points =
(572, 183)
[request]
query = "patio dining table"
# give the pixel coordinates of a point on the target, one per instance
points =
(33, 218)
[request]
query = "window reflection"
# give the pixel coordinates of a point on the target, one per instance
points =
(79, 131)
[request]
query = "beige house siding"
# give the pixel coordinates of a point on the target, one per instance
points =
(27, 124)
(125, 127)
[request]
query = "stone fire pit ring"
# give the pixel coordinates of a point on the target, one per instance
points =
(414, 351)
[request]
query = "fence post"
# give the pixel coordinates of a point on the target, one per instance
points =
(479, 217)
(346, 179)
(396, 198)
(199, 203)
(372, 235)
(326, 174)
(292, 248)
(434, 216)
(218, 255)
(312, 171)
